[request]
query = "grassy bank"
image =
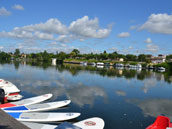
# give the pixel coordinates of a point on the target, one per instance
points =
(167, 65)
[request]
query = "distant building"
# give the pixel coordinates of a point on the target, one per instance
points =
(121, 59)
(158, 59)
(54, 61)
(23, 55)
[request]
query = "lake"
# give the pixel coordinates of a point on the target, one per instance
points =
(125, 99)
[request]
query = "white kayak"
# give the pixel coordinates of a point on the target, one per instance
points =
(28, 101)
(43, 117)
(91, 123)
(38, 107)
(14, 97)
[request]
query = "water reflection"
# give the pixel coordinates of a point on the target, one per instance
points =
(149, 78)
(82, 95)
(154, 107)
(112, 72)
(90, 87)
(149, 83)
(79, 94)
(120, 93)
(103, 71)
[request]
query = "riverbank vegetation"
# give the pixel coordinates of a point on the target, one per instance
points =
(76, 56)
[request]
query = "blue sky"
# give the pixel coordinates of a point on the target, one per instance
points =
(128, 27)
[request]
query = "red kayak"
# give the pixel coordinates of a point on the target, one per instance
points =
(161, 122)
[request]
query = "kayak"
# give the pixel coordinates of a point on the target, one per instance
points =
(43, 117)
(161, 122)
(38, 107)
(28, 101)
(91, 123)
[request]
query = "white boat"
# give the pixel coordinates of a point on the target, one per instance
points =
(133, 67)
(100, 64)
(161, 69)
(83, 63)
(139, 66)
(119, 65)
(11, 91)
(91, 63)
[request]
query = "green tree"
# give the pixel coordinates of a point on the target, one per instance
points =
(113, 56)
(45, 56)
(104, 56)
(142, 58)
(61, 56)
(131, 57)
(72, 54)
(4, 56)
(169, 57)
(76, 51)
(17, 53)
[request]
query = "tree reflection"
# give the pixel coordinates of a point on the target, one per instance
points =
(75, 69)
(16, 65)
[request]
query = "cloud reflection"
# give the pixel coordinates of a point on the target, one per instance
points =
(85, 95)
(149, 83)
(78, 93)
(120, 93)
(154, 107)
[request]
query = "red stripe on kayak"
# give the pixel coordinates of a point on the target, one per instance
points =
(13, 94)
(7, 105)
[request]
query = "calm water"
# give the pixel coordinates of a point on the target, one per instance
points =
(125, 99)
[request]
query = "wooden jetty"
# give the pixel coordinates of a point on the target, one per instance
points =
(8, 122)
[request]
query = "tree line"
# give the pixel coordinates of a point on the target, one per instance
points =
(75, 54)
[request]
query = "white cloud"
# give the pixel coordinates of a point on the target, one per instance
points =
(42, 31)
(52, 25)
(152, 48)
(127, 50)
(4, 12)
(113, 49)
(63, 38)
(148, 40)
(158, 23)
(22, 34)
(18, 7)
(55, 44)
(27, 43)
(43, 36)
(1, 47)
(130, 47)
(86, 28)
(53, 29)
(124, 35)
